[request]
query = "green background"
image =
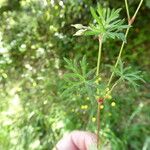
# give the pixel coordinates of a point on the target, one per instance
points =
(35, 35)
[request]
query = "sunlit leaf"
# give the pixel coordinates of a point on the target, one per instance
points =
(108, 24)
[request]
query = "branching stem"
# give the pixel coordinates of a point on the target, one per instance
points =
(118, 58)
(130, 22)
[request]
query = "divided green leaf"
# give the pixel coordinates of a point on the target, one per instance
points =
(128, 74)
(79, 77)
(107, 24)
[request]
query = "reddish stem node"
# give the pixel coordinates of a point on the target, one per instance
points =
(100, 100)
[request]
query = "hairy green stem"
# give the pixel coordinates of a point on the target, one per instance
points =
(130, 22)
(97, 73)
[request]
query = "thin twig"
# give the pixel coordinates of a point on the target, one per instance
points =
(135, 14)
(115, 84)
(99, 56)
(97, 73)
(127, 10)
(138, 8)
(98, 125)
(119, 56)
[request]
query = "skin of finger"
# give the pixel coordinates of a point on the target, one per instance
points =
(83, 140)
(66, 143)
(77, 140)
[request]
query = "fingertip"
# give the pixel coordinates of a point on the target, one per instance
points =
(83, 139)
(66, 143)
(77, 140)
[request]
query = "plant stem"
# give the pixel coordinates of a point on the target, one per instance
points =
(114, 85)
(99, 56)
(97, 73)
(98, 125)
(137, 9)
(127, 10)
(130, 22)
(118, 58)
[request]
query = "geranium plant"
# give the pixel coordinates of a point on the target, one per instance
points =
(79, 79)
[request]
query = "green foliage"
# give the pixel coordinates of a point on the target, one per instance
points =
(108, 24)
(79, 79)
(127, 74)
(34, 37)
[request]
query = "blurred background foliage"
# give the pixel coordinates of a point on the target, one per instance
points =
(35, 35)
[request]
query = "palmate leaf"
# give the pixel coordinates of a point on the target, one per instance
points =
(96, 17)
(112, 15)
(117, 35)
(107, 24)
(128, 74)
(79, 77)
